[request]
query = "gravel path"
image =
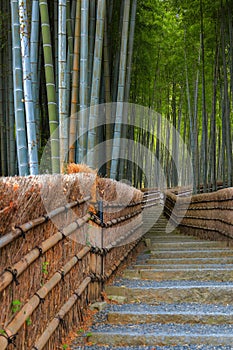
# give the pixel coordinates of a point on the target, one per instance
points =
(144, 284)
(172, 320)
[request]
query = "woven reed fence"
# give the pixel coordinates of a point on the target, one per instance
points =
(209, 215)
(57, 251)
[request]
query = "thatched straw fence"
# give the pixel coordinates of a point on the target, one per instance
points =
(208, 215)
(152, 197)
(61, 238)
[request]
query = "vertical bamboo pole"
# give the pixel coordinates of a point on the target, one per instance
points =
(22, 155)
(27, 84)
(91, 42)
(96, 81)
(50, 86)
(62, 83)
(121, 90)
(12, 160)
(34, 59)
(83, 123)
(75, 85)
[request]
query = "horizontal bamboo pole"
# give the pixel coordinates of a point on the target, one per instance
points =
(122, 238)
(19, 320)
(150, 200)
(120, 219)
(117, 264)
(119, 205)
(40, 295)
(17, 269)
(24, 228)
(150, 205)
(44, 338)
(203, 218)
(210, 229)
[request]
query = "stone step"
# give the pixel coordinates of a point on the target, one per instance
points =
(186, 261)
(188, 245)
(144, 347)
(178, 296)
(198, 274)
(172, 238)
(170, 313)
(193, 253)
(154, 292)
(166, 266)
(162, 334)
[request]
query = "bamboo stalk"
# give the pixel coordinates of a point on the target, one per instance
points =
(50, 85)
(7, 277)
(27, 85)
(95, 85)
(22, 155)
(75, 85)
(33, 303)
(44, 338)
(62, 83)
(19, 320)
(84, 89)
(122, 238)
(11, 236)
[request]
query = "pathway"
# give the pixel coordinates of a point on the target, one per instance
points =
(178, 295)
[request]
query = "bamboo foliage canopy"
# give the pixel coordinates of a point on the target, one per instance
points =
(60, 60)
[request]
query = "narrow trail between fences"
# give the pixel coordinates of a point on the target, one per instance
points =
(177, 295)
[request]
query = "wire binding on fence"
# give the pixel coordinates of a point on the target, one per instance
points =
(21, 230)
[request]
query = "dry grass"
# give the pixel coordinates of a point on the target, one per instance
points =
(25, 198)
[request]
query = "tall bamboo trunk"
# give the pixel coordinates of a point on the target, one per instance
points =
(22, 155)
(27, 84)
(62, 83)
(12, 149)
(204, 113)
(107, 88)
(34, 59)
(96, 81)
(50, 86)
(123, 162)
(75, 86)
(226, 114)
(121, 91)
(83, 122)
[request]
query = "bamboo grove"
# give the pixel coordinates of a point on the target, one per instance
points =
(184, 70)
(59, 58)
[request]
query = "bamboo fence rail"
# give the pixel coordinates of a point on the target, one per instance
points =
(208, 215)
(55, 273)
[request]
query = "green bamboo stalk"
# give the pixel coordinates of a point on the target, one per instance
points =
(11, 154)
(91, 42)
(128, 81)
(75, 85)
(34, 58)
(22, 155)
(96, 80)
(107, 89)
(83, 123)
(70, 37)
(121, 90)
(130, 49)
(62, 82)
(3, 126)
(27, 84)
(50, 86)
(54, 40)
(70, 55)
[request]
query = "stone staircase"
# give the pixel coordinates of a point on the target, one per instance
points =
(178, 295)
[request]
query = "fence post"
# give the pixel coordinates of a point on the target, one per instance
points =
(96, 260)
